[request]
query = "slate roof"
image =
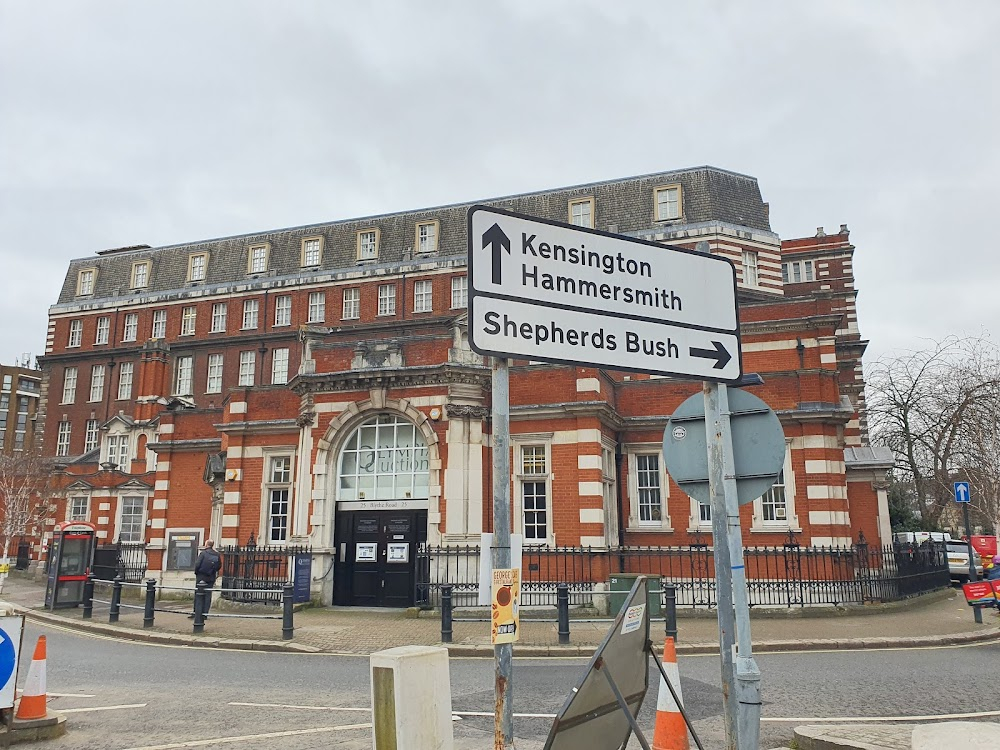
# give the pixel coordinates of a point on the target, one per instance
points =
(625, 205)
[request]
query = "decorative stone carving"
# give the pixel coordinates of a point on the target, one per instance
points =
(377, 355)
(456, 411)
(307, 411)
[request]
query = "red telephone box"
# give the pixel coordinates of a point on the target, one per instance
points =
(71, 556)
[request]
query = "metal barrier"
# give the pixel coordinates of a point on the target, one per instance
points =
(257, 574)
(201, 592)
(791, 575)
(125, 559)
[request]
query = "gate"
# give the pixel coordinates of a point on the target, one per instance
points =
(127, 559)
(253, 574)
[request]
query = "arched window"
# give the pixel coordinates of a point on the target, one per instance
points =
(385, 459)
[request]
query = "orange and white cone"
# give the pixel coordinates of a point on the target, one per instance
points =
(33, 698)
(670, 732)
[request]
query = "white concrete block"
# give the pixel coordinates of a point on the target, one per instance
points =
(584, 385)
(411, 699)
(237, 407)
(590, 488)
(159, 503)
(591, 515)
(588, 462)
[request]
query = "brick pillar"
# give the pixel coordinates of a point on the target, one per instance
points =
(154, 378)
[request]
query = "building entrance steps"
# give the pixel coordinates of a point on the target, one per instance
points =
(936, 619)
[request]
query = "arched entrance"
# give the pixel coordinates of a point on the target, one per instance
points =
(382, 499)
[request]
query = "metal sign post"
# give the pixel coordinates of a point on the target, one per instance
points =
(503, 711)
(963, 495)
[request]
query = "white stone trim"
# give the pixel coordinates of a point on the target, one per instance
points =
(587, 461)
(593, 541)
(592, 515)
(825, 492)
(585, 385)
(237, 407)
(230, 521)
(824, 467)
(159, 503)
(231, 498)
(829, 518)
(591, 488)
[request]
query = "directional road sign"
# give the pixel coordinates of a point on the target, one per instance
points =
(553, 292)
(962, 492)
(11, 628)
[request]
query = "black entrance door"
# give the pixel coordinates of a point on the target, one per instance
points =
(375, 556)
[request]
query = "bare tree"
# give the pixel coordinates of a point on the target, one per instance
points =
(921, 405)
(25, 488)
(980, 457)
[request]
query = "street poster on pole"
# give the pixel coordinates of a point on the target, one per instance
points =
(506, 619)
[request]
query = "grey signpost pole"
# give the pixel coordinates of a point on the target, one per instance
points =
(503, 718)
(723, 563)
(741, 676)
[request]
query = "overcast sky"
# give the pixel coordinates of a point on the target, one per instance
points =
(128, 122)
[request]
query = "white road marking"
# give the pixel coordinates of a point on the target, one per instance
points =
(872, 719)
(246, 737)
(368, 710)
(69, 695)
(100, 708)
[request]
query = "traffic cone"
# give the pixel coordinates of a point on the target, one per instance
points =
(33, 698)
(671, 731)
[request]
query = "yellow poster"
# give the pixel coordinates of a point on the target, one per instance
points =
(506, 597)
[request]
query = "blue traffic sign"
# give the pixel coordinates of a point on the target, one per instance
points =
(962, 492)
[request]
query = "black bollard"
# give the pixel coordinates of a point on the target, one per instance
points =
(562, 606)
(287, 612)
(88, 597)
(446, 613)
(116, 600)
(199, 607)
(670, 611)
(147, 613)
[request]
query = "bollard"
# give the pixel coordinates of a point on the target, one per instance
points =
(116, 600)
(88, 597)
(147, 613)
(199, 607)
(670, 611)
(446, 613)
(562, 605)
(287, 612)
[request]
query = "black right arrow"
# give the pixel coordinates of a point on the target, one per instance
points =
(495, 238)
(719, 354)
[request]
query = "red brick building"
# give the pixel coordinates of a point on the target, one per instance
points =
(315, 385)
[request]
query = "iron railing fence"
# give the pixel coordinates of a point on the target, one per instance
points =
(125, 559)
(256, 574)
(791, 575)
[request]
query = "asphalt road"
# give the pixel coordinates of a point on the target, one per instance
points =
(121, 695)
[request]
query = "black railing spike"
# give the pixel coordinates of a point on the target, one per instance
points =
(861, 538)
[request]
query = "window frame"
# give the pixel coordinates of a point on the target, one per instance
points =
(74, 338)
(189, 320)
(751, 269)
(159, 321)
(192, 258)
(464, 292)
(71, 390)
(420, 295)
(90, 272)
(140, 526)
(389, 298)
(71, 508)
(274, 363)
(91, 436)
(248, 368)
(282, 310)
(97, 373)
(635, 522)
(64, 434)
(418, 249)
(272, 485)
(130, 325)
(117, 450)
(122, 369)
(102, 332)
(224, 317)
(251, 311)
(216, 361)
(791, 520)
(520, 478)
(183, 375)
(673, 186)
(369, 230)
(355, 301)
(134, 276)
(582, 201)
(321, 307)
(318, 238)
(265, 247)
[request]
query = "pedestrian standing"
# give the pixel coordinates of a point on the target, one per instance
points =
(206, 570)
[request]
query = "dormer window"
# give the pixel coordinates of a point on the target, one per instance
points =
(85, 282)
(197, 266)
(140, 275)
(427, 237)
(581, 212)
(257, 258)
(667, 203)
(118, 451)
(368, 244)
(312, 251)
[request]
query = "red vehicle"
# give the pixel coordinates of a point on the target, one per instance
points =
(986, 546)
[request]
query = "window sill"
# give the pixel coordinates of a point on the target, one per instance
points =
(776, 529)
(422, 312)
(651, 529)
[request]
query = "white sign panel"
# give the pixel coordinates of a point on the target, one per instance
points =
(552, 292)
(10, 648)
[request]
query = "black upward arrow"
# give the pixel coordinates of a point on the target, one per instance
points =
(719, 354)
(498, 241)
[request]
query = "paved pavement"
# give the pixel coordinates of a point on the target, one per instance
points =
(938, 619)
